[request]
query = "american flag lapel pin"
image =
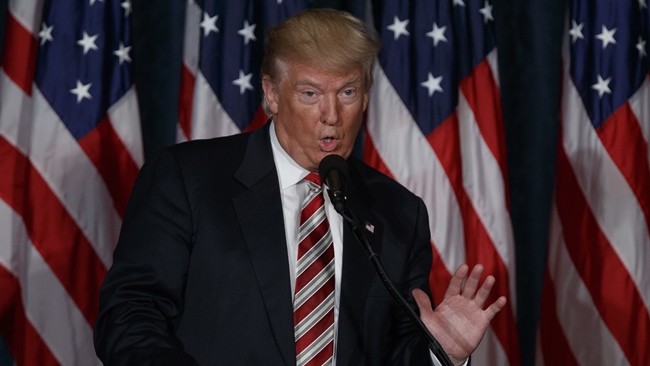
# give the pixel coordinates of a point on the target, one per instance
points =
(370, 227)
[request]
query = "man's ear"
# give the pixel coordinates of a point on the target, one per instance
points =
(270, 94)
(365, 100)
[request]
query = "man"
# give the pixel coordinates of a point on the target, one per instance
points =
(211, 263)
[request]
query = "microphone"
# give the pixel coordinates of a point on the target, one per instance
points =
(333, 170)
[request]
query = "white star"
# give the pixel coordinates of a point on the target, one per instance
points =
(88, 42)
(607, 36)
(123, 53)
(126, 5)
(433, 84)
(279, 1)
(46, 33)
(487, 12)
(576, 31)
(209, 24)
(81, 91)
(438, 34)
(399, 27)
(93, 1)
(641, 47)
(459, 3)
(602, 86)
(244, 82)
(642, 4)
(248, 32)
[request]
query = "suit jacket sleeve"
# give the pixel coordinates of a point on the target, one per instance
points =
(141, 300)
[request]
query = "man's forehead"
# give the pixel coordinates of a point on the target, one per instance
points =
(312, 70)
(302, 74)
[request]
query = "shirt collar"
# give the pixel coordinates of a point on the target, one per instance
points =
(289, 172)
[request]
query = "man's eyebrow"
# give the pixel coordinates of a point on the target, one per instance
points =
(307, 82)
(356, 79)
(353, 80)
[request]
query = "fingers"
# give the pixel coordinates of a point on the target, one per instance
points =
(423, 301)
(485, 289)
(467, 286)
(469, 291)
(496, 306)
(456, 283)
(483, 292)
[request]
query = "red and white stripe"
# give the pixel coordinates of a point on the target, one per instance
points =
(459, 170)
(596, 297)
(61, 204)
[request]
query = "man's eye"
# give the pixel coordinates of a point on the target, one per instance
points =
(349, 92)
(310, 93)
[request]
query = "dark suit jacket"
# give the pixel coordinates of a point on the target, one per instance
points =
(200, 274)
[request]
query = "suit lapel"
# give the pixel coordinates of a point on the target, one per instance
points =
(259, 211)
(358, 271)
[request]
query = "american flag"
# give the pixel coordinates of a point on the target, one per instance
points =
(221, 90)
(435, 125)
(70, 149)
(596, 295)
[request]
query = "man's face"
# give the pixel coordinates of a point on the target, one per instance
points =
(316, 113)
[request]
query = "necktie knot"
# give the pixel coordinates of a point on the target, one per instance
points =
(313, 178)
(314, 181)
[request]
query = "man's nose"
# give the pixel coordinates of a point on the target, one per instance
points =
(330, 109)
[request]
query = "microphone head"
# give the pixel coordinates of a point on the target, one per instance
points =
(332, 162)
(333, 170)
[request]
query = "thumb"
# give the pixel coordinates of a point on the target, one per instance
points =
(423, 301)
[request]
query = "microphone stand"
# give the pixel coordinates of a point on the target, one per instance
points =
(357, 228)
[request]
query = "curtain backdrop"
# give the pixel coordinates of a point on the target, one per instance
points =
(528, 37)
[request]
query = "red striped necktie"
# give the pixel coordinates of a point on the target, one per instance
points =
(313, 303)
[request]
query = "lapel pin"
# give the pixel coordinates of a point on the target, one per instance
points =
(370, 227)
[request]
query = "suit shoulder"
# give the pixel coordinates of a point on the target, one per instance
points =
(194, 148)
(215, 153)
(377, 182)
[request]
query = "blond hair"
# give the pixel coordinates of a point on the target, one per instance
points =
(330, 39)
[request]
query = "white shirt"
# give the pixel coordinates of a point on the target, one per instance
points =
(292, 192)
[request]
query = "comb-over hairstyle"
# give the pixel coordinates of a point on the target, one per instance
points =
(331, 39)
